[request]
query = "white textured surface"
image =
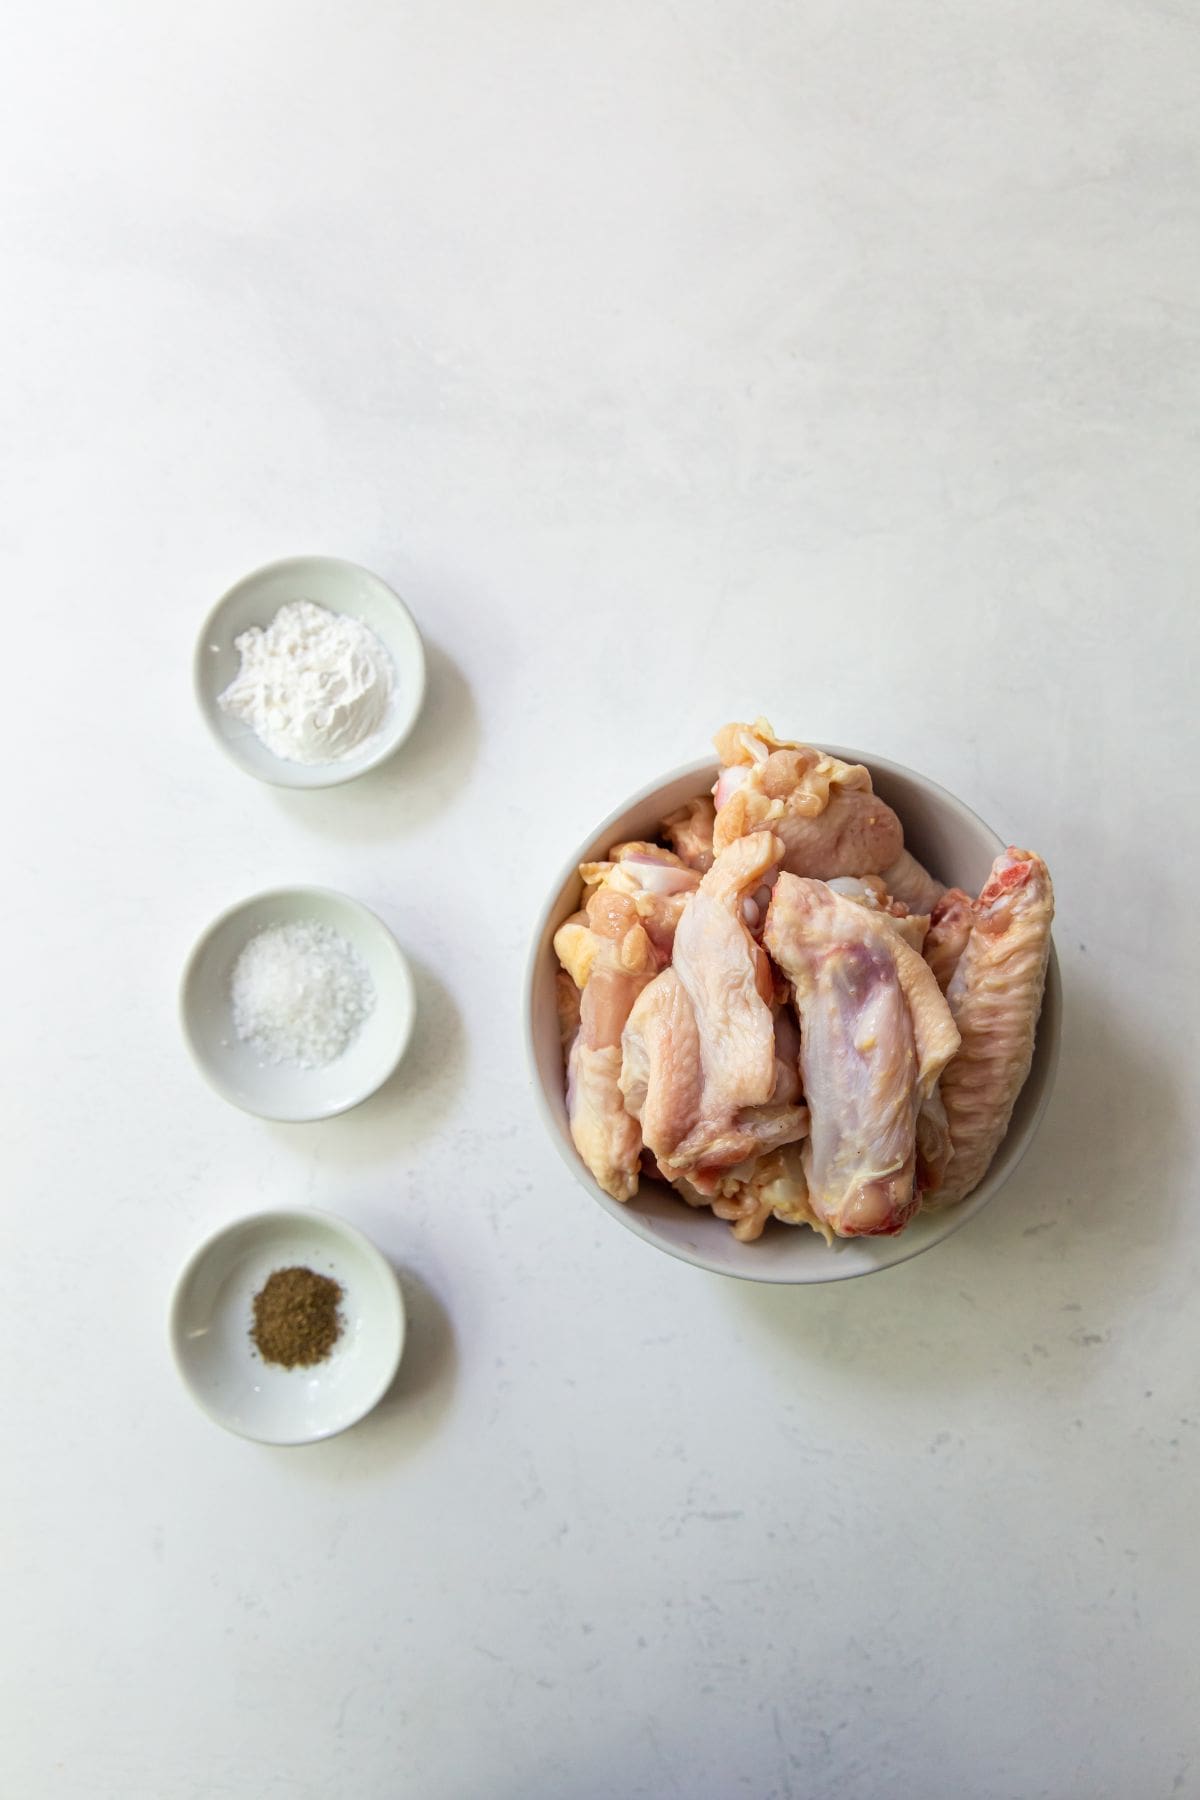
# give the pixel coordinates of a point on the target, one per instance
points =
(674, 362)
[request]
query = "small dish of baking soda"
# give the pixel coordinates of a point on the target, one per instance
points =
(310, 672)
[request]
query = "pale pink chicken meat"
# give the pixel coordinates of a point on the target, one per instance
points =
(824, 811)
(703, 1061)
(875, 1035)
(610, 950)
(995, 996)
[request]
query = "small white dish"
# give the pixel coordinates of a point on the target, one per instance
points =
(282, 1091)
(341, 587)
(955, 845)
(212, 1314)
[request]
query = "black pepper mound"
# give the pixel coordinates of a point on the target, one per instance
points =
(296, 1318)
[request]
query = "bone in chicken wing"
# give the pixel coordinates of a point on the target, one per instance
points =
(701, 1054)
(875, 1035)
(995, 996)
(830, 821)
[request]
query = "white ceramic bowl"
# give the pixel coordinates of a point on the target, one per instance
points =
(954, 845)
(282, 1091)
(212, 1312)
(340, 587)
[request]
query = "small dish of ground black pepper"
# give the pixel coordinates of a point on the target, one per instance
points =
(297, 1320)
(287, 1326)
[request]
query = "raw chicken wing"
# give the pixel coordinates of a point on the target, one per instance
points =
(609, 952)
(624, 960)
(875, 1036)
(995, 996)
(701, 1051)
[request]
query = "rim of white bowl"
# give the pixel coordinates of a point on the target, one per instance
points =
(315, 775)
(395, 950)
(285, 1214)
(954, 1217)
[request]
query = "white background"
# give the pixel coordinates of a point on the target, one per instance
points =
(677, 362)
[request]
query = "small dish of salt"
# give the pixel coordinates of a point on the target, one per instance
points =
(297, 1004)
(309, 672)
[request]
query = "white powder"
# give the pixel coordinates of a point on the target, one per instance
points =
(300, 993)
(313, 686)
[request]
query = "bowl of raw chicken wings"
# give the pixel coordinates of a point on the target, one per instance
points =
(794, 1016)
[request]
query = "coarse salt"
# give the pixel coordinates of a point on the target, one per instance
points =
(300, 994)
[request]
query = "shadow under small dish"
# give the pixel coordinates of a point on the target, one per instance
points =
(218, 1325)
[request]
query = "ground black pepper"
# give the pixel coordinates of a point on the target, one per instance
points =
(296, 1318)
